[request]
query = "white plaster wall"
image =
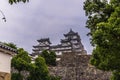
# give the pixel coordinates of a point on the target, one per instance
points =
(5, 62)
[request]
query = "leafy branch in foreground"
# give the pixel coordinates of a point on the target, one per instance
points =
(17, 1)
(104, 24)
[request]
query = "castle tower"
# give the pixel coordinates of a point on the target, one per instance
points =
(71, 43)
(43, 44)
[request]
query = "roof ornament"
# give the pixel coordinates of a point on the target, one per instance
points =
(70, 29)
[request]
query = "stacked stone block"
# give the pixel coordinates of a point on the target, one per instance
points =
(76, 67)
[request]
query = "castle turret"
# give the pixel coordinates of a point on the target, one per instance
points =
(43, 44)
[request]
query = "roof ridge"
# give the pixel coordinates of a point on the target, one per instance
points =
(7, 47)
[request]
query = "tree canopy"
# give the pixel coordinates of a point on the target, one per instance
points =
(50, 57)
(21, 61)
(104, 24)
(39, 70)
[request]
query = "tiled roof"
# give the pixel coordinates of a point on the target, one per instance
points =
(44, 39)
(7, 47)
(71, 32)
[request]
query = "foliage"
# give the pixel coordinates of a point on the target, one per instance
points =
(97, 11)
(107, 39)
(50, 57)
(116, 75)
(55, 78)
(39, 70)
(16, 76)
(21, 61)
(104, 24)
(17, 1)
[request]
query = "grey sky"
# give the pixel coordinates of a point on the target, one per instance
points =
(40, 19)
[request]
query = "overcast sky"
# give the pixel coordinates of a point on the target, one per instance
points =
(41, 19)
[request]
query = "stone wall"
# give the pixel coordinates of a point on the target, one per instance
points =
(76, 67)
(4, 76)
(72, 66)
(25, 74)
